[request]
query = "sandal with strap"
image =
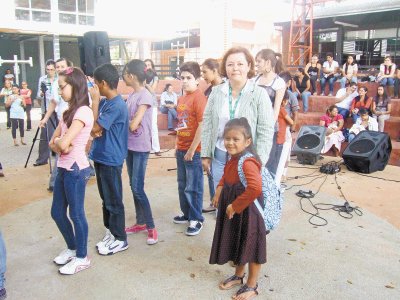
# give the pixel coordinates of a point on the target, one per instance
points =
(244, 289)
(230, 279)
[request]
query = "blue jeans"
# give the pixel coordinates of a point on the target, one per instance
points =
(2, 261)
(218, 165)
(351, 137)
(331, 81)
(344, 112)
(343, 81)
(69, 192)
(387, 81)
(109, 183)
(304, 97)
(136, 163)
(171, 115)
(190, 185)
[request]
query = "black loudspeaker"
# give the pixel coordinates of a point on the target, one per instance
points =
(94, 50)
(309, 144)
(368, 152)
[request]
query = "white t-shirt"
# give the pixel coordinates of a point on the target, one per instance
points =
(351, 69)
(346, 102)
(330, 67)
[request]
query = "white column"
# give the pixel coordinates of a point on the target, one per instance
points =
(41, 56)
(56, 46)
(22, 54)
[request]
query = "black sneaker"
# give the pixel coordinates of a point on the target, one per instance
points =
(181, 219)
(194, 228)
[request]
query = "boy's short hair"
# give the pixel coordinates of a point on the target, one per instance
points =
(108, 73)
(192, 67)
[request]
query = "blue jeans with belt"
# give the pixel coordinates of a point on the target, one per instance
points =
(136, 163)
(69, 192)
(190, 185)
(2, 261)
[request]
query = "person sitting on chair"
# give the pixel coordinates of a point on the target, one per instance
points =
(364, 122)
(168, 104)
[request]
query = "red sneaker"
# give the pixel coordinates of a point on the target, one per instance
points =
(152, 236)
(135, 228)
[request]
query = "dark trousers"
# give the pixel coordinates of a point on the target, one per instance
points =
(8, 117)
(28, 116)
(44, 143)
(17, 123)
(109, 183)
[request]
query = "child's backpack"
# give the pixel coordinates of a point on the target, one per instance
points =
(271, 195)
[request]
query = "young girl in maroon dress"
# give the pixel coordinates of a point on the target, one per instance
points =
(240, 233)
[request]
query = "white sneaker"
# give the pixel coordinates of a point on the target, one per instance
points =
(65, 256)
(114, 247)
(105, 239)
(75, 265)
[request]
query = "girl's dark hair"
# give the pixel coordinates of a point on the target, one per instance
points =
(212, 64)
(75, 78)
(246, 53)
(384, 96)
(301, 70)
(366, 93)
(330, 109)
(167, 87)
(151, 62)
(243, 125)
(137, 67)
(274, 58)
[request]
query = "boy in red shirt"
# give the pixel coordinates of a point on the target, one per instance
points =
(190, 110)
(284, 120)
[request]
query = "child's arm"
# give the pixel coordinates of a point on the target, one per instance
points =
(251, 170)
(9, 101)
(289, 120)
(95, 94)
(138, 117)
(65, 143)
(217, 194)
(196, 141)
(55, 136)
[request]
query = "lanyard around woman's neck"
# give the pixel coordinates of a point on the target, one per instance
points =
(233, 110)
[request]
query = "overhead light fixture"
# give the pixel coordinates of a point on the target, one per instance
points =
(345, 24)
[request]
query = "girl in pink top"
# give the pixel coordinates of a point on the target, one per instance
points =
(69, 141)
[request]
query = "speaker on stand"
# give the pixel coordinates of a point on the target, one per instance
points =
(94, 50)
(309, 144)
(368, 152)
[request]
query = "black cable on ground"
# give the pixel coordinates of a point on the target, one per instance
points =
(345, 210)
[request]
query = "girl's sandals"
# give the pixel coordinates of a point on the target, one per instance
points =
(231, 282)
(246, 289)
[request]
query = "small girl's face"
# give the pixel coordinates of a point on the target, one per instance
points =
(148, 64)
(284, 102)
(64, 89)
(380, 90)
(235, 142)
(15, 90)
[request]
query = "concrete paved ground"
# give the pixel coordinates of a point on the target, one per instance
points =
(356, 258)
